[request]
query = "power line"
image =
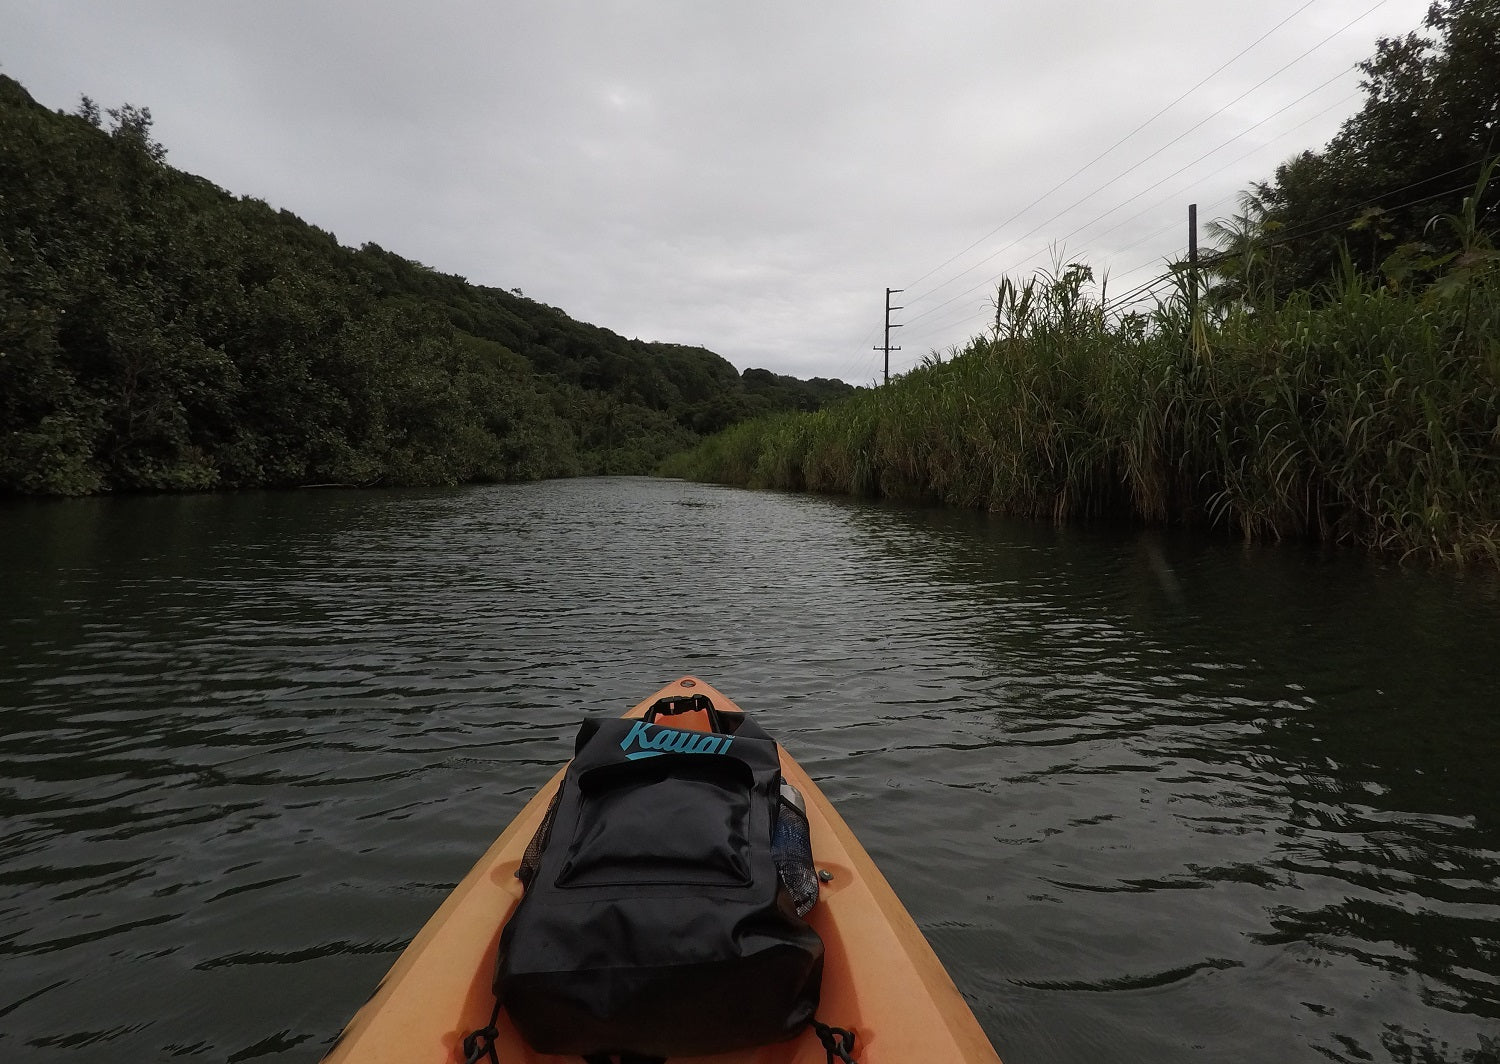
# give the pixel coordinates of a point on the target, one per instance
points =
(1142, 192)
(1214, 173)
(1302, 233)
(946, 323)
(1221, 68)
(1195, 162)
(860, 365)
(1281, 70)
(1141, 291)
(1147, 289)
(953, 320)
(1305, 229)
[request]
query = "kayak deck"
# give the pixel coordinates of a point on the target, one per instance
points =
(880, 976)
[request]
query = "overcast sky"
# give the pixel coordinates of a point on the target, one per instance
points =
(750, 177)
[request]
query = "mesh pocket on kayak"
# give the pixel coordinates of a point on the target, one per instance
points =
(531, 860)
(791, 847)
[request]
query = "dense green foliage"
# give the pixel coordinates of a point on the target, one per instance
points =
(1362, 409)
(1418, 144)
(158, 333)
(1372, 418)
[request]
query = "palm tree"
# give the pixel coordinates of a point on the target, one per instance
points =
(1245, 263)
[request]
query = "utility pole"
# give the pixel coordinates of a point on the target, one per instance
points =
(1192, 262)
(888, 327)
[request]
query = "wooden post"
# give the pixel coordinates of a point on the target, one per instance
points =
(1192, 262)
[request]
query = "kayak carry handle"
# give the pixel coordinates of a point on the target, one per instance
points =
(691, 712)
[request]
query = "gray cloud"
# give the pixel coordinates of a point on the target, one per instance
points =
(745, 177)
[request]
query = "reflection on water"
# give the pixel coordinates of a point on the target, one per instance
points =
(1151, 797)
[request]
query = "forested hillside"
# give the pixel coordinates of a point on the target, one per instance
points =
(158, 333)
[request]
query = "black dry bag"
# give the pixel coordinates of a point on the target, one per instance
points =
(654, 921)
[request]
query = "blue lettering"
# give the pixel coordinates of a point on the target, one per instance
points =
(638, 732)
(647, 740)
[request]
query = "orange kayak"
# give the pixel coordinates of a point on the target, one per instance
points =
(880, 977)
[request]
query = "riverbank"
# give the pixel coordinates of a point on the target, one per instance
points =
(1364, 417)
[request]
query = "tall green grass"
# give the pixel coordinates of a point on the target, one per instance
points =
(1360, 415)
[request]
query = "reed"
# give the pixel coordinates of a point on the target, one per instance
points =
(1360, 415)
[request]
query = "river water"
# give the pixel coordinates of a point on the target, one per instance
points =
(1151, 797)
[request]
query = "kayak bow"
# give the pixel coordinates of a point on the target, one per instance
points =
(880, 978)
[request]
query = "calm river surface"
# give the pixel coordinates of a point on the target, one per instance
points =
(1152, 798)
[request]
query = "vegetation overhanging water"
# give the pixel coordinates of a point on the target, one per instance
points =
(1336, 378)
(1336, 381)
(1369, 418)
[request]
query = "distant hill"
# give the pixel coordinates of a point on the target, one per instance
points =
(158, 333)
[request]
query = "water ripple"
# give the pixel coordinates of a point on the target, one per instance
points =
(249, 742)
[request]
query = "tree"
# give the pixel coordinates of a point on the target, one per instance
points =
(1412, 152)
(1245, 266)
(158, 333)
(132, 127)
